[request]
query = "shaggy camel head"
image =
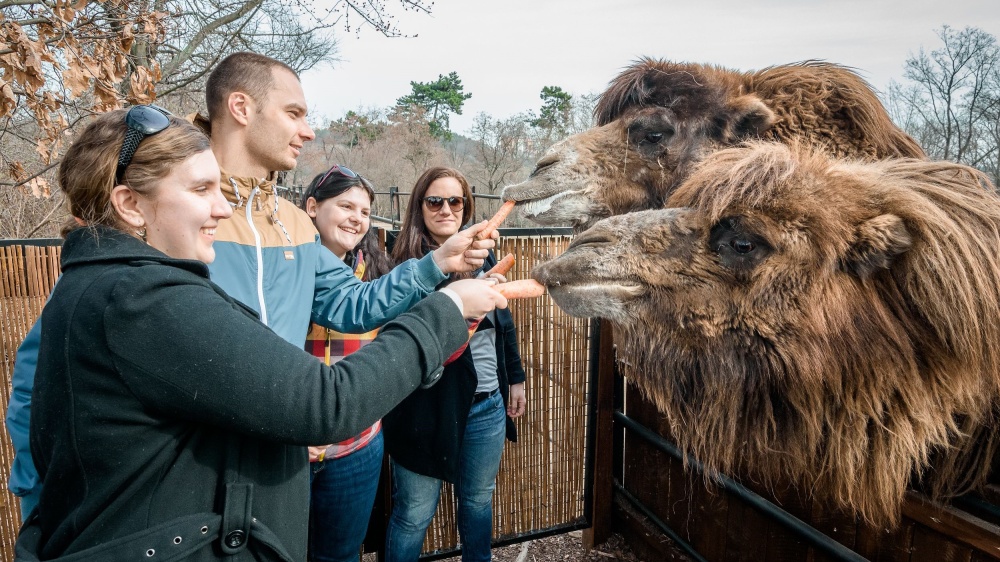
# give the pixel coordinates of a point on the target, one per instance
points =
(659, 118)
(802, 319)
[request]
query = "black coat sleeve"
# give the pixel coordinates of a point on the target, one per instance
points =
(204, 359)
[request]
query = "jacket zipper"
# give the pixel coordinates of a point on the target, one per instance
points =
(260, 255)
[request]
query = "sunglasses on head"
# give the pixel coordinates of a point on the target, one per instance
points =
(342, 170)
(142, 121)
(434, 203)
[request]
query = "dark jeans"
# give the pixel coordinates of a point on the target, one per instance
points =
(343, 492)
(415, 497)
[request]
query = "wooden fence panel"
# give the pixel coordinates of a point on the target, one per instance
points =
(541, 481)
(27, 274)
(722, 527)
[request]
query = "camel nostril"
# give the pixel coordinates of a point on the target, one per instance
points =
(545, 162)
(595, 239)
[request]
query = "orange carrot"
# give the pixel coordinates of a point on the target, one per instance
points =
(502, 266)
(521, 289)
(498, 218)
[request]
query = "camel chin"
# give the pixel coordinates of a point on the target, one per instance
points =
(596, 299)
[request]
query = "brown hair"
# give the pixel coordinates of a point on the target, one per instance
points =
(245, 72)
(87, 172)
(414, 240)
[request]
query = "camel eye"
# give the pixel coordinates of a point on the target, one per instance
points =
(742, 246)
(653, 138)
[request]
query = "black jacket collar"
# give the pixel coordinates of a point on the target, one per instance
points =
(101, 244)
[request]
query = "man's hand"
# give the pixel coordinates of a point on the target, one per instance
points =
(462, 252)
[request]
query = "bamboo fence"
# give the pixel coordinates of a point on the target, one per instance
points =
(541, 481)
(27, 274)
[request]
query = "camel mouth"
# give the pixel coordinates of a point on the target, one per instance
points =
(617, 288)
(596, 299)
(563, 208)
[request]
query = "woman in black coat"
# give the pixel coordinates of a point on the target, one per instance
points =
(453, 431)
(168, 423)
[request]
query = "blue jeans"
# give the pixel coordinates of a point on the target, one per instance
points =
(340, 505)
(415, 497)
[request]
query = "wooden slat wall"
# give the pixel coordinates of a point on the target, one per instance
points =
(541, 476)
(27, 274)
(723, 528)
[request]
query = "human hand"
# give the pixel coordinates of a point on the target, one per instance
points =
(317, 453)
(461, 252)
(478, 297)
(515, 407)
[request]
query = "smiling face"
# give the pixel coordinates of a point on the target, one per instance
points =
(444, 222)
(342, 220)
(277, 128)
(184, 208)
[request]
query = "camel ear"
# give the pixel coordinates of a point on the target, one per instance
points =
(878, 241)
(749, 117)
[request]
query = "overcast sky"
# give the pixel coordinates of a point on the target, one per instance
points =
(505, 51)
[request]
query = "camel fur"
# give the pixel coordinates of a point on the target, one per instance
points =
(801, 319)
(659, 118)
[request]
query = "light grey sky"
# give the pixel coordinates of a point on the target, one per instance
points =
(505, 51)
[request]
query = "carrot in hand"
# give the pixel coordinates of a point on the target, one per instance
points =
(502, 266)
(498, 218)
(521, 289)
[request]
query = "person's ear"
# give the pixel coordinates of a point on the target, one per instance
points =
(126, 204)
(311, 207)
(240, 106)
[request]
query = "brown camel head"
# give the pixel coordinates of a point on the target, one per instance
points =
(658, 118)
(803, 319)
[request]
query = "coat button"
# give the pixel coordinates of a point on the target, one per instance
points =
(432, 378)
(235, 538)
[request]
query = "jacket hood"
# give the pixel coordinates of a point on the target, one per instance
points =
(101, 244)
(238, 189)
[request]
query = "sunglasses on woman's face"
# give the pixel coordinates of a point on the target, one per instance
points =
(434, 203)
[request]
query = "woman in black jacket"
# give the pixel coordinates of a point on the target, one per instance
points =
(453, 431)
(168, 423)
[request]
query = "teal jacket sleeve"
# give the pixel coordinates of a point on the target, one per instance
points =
(24, 480)
(343, 303)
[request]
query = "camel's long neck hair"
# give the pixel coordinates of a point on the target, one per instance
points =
(863, 381)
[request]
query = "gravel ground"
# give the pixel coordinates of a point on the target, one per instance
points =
(567, 547)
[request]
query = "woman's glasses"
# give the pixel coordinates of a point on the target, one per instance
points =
(142, 121)
(342, 170)
(434, 203)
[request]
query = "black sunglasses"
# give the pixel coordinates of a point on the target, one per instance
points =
(342, 170)
(142, 121)
(434, 203)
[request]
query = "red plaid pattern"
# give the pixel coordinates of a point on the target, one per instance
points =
(331, 346)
